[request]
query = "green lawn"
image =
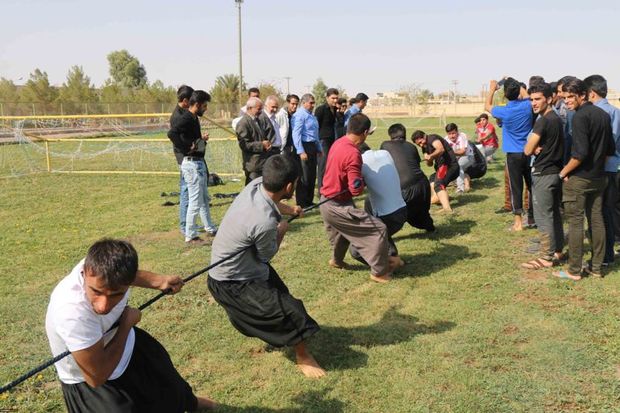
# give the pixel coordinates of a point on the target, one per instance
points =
(460, 329)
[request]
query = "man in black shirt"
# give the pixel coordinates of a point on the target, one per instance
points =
(436, 150)
(186, 136)
(546, 142)
(584, 178)
(414, 184)
(183, 94)
(326, 116)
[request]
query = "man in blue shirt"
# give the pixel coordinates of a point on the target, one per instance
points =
(597, 93)
(361, 99)
(305, 128)
(516, 119)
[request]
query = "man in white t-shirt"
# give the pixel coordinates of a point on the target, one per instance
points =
(464, 154)
(385, 199)
(122, 370)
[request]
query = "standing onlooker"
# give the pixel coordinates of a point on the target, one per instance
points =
(184, 93)
(464, 155)
(414, 185)
(192, 144)
(253, 140)
(357, 106)
(547, 143)
(283, 117)
(597, 94)
(565, 114)
(341, 109)
(326, 116)
(306, 140)
(584, 178)
(516, 119)
(486, 137)
(253, 92)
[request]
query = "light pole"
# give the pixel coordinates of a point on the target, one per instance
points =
(239, 2)
(288, 84)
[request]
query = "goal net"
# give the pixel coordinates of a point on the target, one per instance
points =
(92, 144)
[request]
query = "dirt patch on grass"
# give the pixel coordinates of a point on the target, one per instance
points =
(156, 236)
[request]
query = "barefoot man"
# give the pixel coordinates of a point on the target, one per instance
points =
(256, 300)
(345, 224)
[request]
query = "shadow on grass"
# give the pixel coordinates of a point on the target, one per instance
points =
(450, 229)
(465, 199)
(313, 401)
(485, 182)
(332, 345)
(422, 265)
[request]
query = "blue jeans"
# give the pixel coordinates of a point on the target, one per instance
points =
(183, 201)
(195, 176)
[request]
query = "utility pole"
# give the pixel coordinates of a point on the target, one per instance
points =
(455, 83)
(239, 2)
(288, 84)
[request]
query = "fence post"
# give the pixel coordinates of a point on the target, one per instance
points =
(47, 156)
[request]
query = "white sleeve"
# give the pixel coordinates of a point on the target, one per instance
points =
(76, 328)
(282, 119)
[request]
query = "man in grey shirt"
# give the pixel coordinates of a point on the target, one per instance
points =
(256, 300)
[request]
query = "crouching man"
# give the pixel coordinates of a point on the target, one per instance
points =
(122, 370)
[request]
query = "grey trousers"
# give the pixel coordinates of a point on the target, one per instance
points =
(584, 195)
(547, 194)
(347, 225)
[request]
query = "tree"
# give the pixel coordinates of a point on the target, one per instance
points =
(38, 90)
(126, 70)
(318, 90)
(226, 90)
(268, 89)
(8, 91)
(77, 90)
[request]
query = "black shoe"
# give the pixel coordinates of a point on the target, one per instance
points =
(502, 211)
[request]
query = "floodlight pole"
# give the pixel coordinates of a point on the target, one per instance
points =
(239, 2)
(288, 84)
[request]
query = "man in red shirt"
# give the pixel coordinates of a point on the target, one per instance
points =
(486, 137)
(345, 224)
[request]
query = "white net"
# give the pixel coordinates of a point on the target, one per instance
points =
(105, 144)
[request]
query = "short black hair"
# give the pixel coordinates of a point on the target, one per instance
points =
(541, 87)
(596, 84)
(512, 89)
(253, 90)
(278, 172)
(484, 116)
(397, 131)
(417, 135)
(535, 79)
(564, 80)
(576, 86)
(477, 120)
(114, 260)
(184, 92)
(331, 91)
(554, 87)
(199, 96)
(361, 96)
(352, 101)
(358, 124)
(451, 126)
(342, 101)
(291, 97)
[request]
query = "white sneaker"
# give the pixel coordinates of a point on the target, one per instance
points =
(211, 230)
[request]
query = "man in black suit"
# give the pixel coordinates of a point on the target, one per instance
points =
(253, 140)
(326, 116)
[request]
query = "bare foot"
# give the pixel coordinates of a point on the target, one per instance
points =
(516, 228)
(566, 275)
(204, 403)
(382, 279)
(307, 364)
(434, 200)
(339, 265)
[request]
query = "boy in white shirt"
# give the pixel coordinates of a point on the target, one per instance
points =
(125, 369)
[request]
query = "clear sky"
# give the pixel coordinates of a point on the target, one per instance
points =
(363, 45)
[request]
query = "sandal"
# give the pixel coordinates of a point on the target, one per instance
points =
(537, 264)
(565, 275)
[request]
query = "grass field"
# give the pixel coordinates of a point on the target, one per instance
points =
(460, 329)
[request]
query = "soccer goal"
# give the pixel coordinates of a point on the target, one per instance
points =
(105, 144)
